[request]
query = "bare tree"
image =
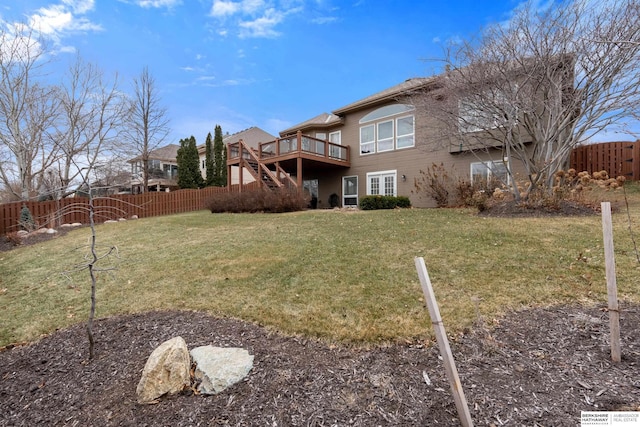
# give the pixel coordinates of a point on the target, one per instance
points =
(147, 125)
(534, 88)
(91, 115)
(27, 111)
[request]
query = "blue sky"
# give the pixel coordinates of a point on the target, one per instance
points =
(265, 63)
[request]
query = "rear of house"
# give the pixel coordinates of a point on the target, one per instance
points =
(389, 142)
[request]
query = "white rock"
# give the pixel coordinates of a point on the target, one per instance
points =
(51, 231)
(134, 216)
(218, 368)
(22, 233)
(110, 221)
(121, 219)
(166, 371)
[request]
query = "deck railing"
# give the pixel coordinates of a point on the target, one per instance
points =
(298, 143)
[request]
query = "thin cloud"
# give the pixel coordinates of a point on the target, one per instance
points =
(158, 3)
(253, 18)
(325, 20)
(80, 6)
(222, 8)
(263, 26)
(58, 19)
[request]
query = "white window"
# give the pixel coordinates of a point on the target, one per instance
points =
(367, 139)
(385, 136)
(404, 132)
(350, 191)
(382, 183)
(485, 172)
(335, 138)
(387, 133)
(486, 111)
(321, 135)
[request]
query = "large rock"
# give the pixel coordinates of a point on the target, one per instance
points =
(166, 371)
(218, 368)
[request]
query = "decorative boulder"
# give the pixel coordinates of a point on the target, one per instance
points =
(166, 371)
(218, 368)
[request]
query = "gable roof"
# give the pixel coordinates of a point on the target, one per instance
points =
(390, 94)
(404, 88)
(252, 136)
(320, 121)
(167, 154)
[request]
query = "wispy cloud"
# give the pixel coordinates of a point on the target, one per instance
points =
(169, 4)
(57, 20)
(263, 26)
(325, 20)
(253, 18)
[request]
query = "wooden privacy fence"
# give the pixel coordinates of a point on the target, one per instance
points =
(617, 158)
(54, 213)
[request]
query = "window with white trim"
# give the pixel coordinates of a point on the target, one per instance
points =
(485, 172)
(382, 183)
(486, 111)
(367, 139)
(381, 132)
(335, 138)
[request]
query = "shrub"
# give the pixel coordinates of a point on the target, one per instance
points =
(14, 238)
(259, 200)
(368, 203)
(436, 183)
(26, 219)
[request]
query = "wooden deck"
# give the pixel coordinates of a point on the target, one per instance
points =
(293, 147)
(283, 162)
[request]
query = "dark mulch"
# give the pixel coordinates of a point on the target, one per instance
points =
(513, 209)
(9, 242)
(536, 367)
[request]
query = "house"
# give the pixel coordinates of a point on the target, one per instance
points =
(252, 138)
(375, 146)
(163, 170)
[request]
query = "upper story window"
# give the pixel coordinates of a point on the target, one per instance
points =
(380, 131)
(485, 111)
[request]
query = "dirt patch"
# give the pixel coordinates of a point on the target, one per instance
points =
(7, 243)
(513, 209)
(535, 367)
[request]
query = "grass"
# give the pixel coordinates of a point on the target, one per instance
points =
(335, 275)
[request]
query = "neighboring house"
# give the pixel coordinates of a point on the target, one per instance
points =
(163, 170)
(252, 137)
(375, 146)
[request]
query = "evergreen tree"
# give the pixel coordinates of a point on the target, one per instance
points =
(224, 168)
(189, 175)
(219, 160)
(209, 162)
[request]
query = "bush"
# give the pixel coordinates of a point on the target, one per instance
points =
(259, 200)
(368, 203)
(26, 219)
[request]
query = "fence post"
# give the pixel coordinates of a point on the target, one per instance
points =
(612, 287)
(443, 344)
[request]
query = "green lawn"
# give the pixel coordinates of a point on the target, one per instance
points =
(340, 276)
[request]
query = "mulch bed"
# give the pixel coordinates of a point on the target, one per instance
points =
(538, 367)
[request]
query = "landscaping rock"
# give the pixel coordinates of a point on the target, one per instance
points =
(218, 368)
(22, 233)
(166, 371)
(134, 216)
(51, 231)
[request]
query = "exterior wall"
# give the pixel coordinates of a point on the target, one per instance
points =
(407, 162)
